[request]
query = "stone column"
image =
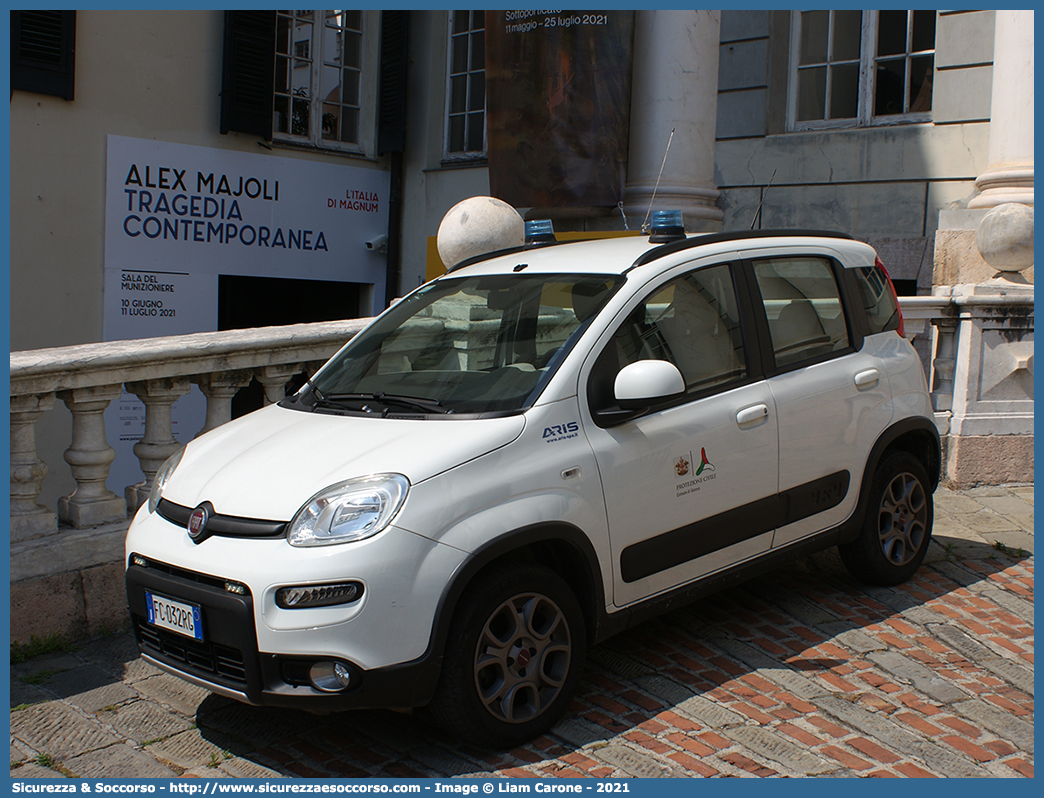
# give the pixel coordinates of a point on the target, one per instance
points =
(220, 388)
(674, 87)
(158, 442)
(89, 458)
(28, 517)
(1009, 175)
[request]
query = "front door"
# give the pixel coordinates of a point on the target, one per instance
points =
(689, 487)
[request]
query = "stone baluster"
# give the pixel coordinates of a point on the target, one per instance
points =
(945, 363)
(29, 518)
(220, 388)
(89, 458)
(158, 442)
(274, 378)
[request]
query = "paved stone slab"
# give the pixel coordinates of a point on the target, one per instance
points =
(90, 688)
(1018, 607)
(173, 692)
(245, 769)
(58, 730)
(118, 762)
(186, 750)
(771, 669)
(965, 577)
(920, 676)
(24, 694)
(779, 749)
(640, 764)
(578, 731)
(143, 721)
(1012, 508)
(976, 652)
(31, 770)
(1003, 724)
(846, 634)
(665, 689)
(795, 605)
(900, 740)
(617, 662)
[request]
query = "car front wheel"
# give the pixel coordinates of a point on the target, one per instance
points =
(898, 524)
(514, 654)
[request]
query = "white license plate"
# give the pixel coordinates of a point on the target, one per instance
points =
(185, 619)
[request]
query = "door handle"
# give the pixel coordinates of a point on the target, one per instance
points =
(752, 415)
(867, 379)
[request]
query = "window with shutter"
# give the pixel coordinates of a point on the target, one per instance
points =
(246, 90)
(42, 47)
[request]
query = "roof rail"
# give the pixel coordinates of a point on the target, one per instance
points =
(739, 235)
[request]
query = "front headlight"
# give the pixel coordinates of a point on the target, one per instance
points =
(351, 510)
(160, 481)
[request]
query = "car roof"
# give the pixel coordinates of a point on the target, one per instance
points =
(618, 255)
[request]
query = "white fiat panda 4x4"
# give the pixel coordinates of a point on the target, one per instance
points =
(530, 454)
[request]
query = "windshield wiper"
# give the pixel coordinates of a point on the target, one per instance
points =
(413, 402)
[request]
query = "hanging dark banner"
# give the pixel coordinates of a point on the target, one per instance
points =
(558, 101)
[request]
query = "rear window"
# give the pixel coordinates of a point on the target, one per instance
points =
(882, 313)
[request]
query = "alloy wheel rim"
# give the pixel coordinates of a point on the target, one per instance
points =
(902, 519)
(522, 657)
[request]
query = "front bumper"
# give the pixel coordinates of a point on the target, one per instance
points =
(229, 663)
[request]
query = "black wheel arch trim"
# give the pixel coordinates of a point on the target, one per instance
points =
(923, 438)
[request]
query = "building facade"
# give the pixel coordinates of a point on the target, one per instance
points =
(256, 168)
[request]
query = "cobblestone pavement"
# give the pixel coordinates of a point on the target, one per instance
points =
(797, 673)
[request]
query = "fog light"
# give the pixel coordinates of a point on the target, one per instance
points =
(330, 677)
(303, 596)
(235, 587)
(138, 560)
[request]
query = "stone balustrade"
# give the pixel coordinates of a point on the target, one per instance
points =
(86, 378)
(70, 556)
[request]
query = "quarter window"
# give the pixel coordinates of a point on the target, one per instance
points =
(805, 317)
(321, 90)
(466, 93)
(861, 67)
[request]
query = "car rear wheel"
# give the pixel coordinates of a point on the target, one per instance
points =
(514, 654)
(898, 525)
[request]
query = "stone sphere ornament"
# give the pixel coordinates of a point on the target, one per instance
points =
(1005, 237)
(477, 226)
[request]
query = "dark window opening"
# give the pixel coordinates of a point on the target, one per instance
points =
(42, 52)
(247, 302)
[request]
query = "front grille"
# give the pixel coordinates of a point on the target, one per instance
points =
(223, 525)
(201, 659)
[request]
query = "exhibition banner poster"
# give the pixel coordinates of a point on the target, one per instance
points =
(558, 98)
(177, 216)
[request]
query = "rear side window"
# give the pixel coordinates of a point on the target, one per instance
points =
(803, 305)
(882, 313)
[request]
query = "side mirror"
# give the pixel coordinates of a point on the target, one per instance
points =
(647, 382)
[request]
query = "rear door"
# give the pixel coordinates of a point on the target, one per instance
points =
(689, 486)
(831, 393)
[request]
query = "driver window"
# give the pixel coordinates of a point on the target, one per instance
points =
(803, 306)
(692, 322)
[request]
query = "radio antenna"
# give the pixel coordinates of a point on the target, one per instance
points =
(757, 213)
(645, 224)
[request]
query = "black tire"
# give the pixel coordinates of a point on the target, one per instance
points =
(514, 654)
(897, 527)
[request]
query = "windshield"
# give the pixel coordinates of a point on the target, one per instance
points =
(465, 345)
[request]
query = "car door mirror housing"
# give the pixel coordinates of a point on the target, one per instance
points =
(646, 383)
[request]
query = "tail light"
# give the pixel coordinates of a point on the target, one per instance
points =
(891, 287)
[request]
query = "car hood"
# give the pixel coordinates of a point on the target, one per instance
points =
(270, 462)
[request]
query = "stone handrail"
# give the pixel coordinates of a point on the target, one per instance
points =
(88, 377)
